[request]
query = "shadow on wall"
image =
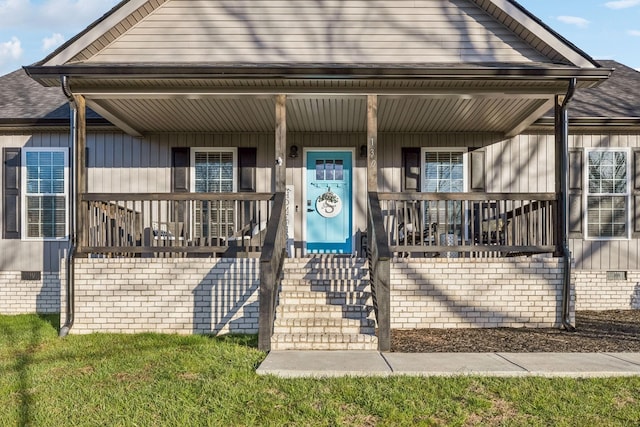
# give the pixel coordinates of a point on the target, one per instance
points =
(635, 297)
(231, 285)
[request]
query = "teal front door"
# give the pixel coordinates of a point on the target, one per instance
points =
(329, 198)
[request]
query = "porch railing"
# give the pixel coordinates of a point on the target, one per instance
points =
(223, 224)
(470, 224)
(379, 258)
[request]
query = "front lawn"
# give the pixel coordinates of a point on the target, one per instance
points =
(151, 380)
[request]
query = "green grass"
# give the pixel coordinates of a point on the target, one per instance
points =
(151, 380)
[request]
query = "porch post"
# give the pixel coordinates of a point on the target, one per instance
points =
(372, 143)
(80, 168)
(281, 143)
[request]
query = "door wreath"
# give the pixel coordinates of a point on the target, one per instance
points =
(329, 204)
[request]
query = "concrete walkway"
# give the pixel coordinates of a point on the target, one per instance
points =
(292, 364)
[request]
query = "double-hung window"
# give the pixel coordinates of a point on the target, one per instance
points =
(608, 194)
(45, 194)
(444, 172)
(214, 171)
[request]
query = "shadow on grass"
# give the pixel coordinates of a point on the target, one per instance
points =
(52, 319)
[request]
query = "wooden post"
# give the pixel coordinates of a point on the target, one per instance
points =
(372, 143)
(80, 169)
(281, 143)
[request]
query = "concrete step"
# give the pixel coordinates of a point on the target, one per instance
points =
(334, 298)
(324, 326)
(303, 311)
(324, 342)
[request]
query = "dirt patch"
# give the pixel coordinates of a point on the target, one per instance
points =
(602, 331)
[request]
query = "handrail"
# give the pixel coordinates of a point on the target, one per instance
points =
(379, 256)
(476, 197)
(271, 264)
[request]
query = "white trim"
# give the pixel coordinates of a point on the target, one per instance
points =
(585, 201)
(465, 163)
(23, 192)
(305, 151)
(192, 163)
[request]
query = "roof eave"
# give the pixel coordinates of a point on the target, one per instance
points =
(337, 71)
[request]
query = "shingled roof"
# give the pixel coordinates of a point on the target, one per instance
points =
(22, 99)
(619, 96)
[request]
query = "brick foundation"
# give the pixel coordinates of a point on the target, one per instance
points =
(476, 293)
(595, 292)
(29, 296)
(166, 295)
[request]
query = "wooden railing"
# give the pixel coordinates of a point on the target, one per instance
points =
(224, 224)
(470, 224)
(379, 258)
(271, 264)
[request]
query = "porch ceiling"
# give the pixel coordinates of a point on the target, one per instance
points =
(322, 113)
(144, 99)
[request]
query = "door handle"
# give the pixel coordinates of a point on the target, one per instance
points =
(311, 210)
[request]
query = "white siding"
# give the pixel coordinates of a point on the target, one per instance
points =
(301, 31)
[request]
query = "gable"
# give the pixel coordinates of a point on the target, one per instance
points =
(300, 31)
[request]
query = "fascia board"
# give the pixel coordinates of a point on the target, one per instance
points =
(547, 35)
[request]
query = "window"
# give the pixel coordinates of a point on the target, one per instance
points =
(45, 193)
(444, 172)
(214, 171)
(608, 194)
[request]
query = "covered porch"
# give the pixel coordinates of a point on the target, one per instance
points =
(391, 218)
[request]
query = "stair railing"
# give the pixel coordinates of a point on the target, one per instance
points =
(379, 256)
(271, 264)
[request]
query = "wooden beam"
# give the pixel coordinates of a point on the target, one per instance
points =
(113, 118)
(531, 118)
(80, 167)
(372, 143)
(281, 143)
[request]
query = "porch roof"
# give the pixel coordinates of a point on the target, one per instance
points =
(498, 98)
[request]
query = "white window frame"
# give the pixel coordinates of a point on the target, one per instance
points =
(25, 194)
(192, 172)
(587, 194)
(465, 177)
(465, 156)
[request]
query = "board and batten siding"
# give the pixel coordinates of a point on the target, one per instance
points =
(119, 163)
(605, 255)
(22, 255)
(301, 31)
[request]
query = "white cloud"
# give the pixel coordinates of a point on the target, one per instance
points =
(574, 20)
(622, 4)
(48, 43)
(634, 33)
(54, 15)
(11, 50)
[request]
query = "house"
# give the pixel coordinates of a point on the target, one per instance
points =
(312, 171)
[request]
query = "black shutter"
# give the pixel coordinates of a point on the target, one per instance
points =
(635, 194)
(11, 193)
(576, 216)
(247, 162)
(180, 159)
(478, 171)
(410, 168)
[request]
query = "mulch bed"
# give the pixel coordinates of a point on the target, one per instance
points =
(602, 331)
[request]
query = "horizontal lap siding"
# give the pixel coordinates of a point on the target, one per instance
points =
(301, 31)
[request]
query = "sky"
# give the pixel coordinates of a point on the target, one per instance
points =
(604, 29)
